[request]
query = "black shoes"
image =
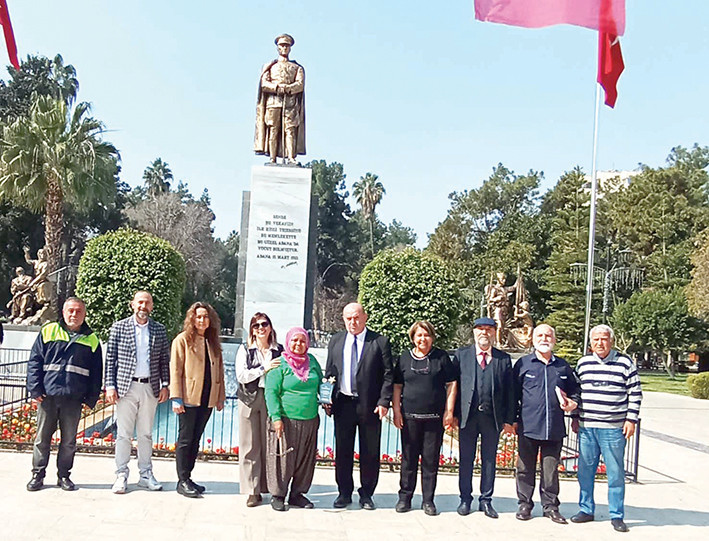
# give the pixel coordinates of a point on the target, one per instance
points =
(199, 488)
(65, 483)
(278, 503)
(488, 509)
(187, 489)
(464, 508)
(581, 517)
(402, 506)
(253, 500)
(341, 501)
(619, 525)
(36, 483)
(429, 508)
(366, 502)
(298, 500)
(523, 513)
(555, 516)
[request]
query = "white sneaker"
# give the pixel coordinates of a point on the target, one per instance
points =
(148, 481)
(120, 486)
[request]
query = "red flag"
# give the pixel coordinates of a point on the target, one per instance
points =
(9, 34)
(610, 65)
(601, 15)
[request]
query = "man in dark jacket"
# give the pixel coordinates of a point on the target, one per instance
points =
(484, 407)
(360, 362)
(64, 371)
(545, 388)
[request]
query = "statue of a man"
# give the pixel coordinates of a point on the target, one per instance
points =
(21, 302)
(498, 306)
(280, 108)
(41, 287)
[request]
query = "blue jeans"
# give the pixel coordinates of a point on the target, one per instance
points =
(610, 443)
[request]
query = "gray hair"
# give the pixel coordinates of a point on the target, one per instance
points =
(553, 330)
(602, 328)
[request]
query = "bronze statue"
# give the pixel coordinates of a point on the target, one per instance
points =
(33, 299)
(513, 330)
(22, 301)
(280, 108)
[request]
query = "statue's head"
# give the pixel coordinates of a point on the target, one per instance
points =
(284, 42)
(524, 305)
(41, 253)
(501, 277)
(19, 271)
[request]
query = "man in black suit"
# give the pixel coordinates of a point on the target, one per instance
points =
(361, 363)
(484, 406)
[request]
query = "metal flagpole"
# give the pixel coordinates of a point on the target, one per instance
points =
(591, 224)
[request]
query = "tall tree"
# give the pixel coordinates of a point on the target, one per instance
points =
(157, 177)
(56, 156)
(369, 192)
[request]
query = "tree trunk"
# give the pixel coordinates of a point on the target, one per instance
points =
(53, 222)
(669, 364)
(371, 235)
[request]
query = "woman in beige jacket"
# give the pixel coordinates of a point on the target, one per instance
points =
(196, 386)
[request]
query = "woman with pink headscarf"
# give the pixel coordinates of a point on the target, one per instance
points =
(292, 404)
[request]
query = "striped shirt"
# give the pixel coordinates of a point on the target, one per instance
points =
(610, 391)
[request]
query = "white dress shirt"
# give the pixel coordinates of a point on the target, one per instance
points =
(346, 383)
(142, 350)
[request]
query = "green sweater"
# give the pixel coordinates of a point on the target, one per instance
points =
(287, 396)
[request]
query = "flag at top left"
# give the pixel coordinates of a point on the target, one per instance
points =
(9, 34)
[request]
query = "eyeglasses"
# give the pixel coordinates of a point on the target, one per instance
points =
(262, 324)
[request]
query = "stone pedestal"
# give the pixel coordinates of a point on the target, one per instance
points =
(276, 254)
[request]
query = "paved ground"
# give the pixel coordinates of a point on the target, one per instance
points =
(671, 501)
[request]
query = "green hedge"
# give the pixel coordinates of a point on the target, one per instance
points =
(115, 265)
(399, 287)
(699, 385)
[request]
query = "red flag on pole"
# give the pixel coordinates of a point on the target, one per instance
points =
(601, 15)
(9, 34)
(610, 65)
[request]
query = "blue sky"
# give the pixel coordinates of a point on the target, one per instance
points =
(417, 92)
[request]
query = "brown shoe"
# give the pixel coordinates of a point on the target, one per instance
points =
(253, 500)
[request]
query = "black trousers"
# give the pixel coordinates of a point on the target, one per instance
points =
(191, 427)
(420, 438)
(51, 411)
(528, 449)
(483, 425)
(347, 423)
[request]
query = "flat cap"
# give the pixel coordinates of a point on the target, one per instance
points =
(484, 321)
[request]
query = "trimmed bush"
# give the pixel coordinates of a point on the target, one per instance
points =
(399, 287)
(116, 265)
(699, 385)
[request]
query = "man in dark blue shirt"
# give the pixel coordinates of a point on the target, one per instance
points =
(545, 388)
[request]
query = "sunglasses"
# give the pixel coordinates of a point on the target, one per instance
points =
(262, 324)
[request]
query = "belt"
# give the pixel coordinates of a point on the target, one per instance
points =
(142, 380)
(349, 397)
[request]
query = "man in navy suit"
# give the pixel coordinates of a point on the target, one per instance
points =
(484, 407)
(137, 378)
(360, 361)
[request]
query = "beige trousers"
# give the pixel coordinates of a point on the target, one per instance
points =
(252, 446)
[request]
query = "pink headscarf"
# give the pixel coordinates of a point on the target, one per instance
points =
(300, 364)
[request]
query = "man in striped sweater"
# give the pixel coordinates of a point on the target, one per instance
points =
(608, 413)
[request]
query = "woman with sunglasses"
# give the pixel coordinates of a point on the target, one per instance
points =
(196, 387)
(423, 402)
(292, 402)
(262, 354)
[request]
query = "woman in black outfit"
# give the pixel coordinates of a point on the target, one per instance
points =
(423, 401)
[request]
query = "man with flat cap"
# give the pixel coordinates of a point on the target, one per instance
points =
(280, 109)
(484, 407)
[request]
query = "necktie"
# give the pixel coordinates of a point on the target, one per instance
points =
(353, 367)
(483, 360)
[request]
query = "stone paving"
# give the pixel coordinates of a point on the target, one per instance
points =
(671, 500)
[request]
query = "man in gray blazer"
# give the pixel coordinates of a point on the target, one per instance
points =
(137, 378)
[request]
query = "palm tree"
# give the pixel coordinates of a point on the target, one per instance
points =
(54, 157)
(368, 192)
(157, 177)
